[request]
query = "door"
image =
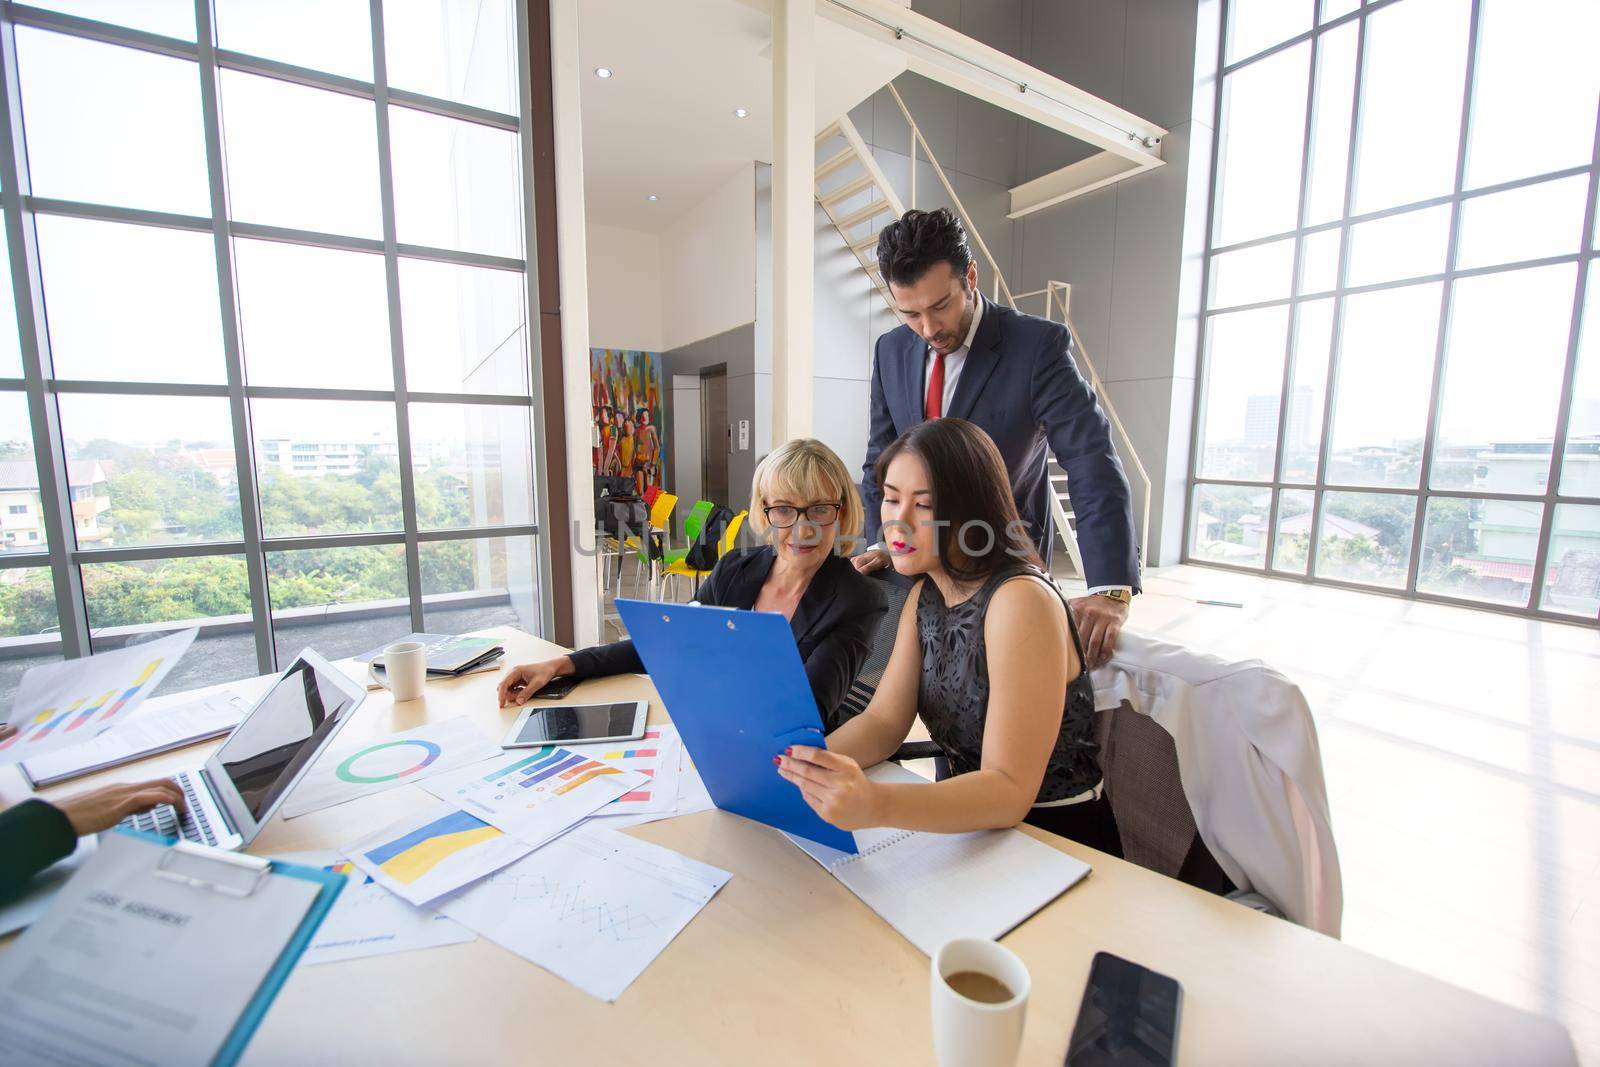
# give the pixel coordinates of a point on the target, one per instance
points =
(716, 436)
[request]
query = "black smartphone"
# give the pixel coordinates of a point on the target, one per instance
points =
(556, 688)
(1129, 1017)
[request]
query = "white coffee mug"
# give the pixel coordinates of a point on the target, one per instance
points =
(405, 669)
(974, 1033)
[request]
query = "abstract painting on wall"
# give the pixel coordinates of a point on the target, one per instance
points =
(628, 436)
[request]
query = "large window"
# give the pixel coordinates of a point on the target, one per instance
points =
(1400, 385)
(264, 365)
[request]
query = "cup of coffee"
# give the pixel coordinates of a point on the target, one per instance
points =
(405, 669)
(980, 1001)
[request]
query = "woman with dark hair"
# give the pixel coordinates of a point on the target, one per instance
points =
(987, 654)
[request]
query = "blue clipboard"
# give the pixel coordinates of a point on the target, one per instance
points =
(738, 694)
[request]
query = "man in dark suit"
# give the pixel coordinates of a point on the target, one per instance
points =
(1012, 374)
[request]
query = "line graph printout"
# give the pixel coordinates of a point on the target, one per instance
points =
(534, 794)
(594, 907)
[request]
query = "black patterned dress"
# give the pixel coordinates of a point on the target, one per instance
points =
(953, 696)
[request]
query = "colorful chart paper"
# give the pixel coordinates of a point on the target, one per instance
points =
(434, 852)
(63, 704)
(376, 765)
(368, 920)
(534, 794)
(657, 757)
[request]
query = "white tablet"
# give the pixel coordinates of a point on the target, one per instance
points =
(578, 724)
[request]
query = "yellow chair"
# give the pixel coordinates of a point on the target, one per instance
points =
(680, 568)
(660, 514)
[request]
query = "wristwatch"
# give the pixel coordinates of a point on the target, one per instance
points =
(1121, 596)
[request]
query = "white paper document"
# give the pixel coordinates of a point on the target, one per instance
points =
(143, 733)
(534, 794)
(368, 920)
(595, 907)
(386, 762)
(433, 852)
(63, 704)
(935, 887)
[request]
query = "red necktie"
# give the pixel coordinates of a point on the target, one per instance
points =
(935, 404)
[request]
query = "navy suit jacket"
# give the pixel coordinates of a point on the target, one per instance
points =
(1020, 385)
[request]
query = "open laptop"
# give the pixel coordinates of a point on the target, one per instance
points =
(244, 781)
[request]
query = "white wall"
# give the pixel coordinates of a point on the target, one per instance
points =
(849, 317)
(707, 264)
(624, 288)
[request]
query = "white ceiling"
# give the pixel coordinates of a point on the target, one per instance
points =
(664, 122)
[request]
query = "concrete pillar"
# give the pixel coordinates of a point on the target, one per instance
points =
(793, 203)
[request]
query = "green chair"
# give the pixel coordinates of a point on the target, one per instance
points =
(693, 522)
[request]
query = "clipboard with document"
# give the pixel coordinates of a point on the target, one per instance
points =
(737, 692)
(158, 953)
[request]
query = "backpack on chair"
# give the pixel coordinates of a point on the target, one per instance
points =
(702, 555)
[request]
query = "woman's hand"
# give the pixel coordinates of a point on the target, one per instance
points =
(101, 809)
(834, 786)
(521, 682)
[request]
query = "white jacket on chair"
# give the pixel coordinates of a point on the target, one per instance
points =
(1250, 764)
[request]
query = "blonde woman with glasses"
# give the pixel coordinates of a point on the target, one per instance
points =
(805, 507)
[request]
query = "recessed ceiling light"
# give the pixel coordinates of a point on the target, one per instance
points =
(602, 72)
(741, 112)
(651, 198)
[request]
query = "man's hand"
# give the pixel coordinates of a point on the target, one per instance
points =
(873, 559)
(1100, 621)
(101, 809)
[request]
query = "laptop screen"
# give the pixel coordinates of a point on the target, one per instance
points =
(283, 733)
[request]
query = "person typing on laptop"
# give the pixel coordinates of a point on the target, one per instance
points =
(37, 833)
(803, 499)
(987, 654)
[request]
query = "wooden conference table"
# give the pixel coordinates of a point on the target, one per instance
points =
(786, 966)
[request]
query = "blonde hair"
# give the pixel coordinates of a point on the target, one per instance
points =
(811, 472)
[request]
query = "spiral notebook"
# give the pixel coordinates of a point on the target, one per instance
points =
(934, 887)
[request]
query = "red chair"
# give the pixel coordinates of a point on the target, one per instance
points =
(650, 494)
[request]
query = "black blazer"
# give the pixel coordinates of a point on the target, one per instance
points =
(1020, 385)
(833, 624)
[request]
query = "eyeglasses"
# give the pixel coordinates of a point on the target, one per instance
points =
(784, 516)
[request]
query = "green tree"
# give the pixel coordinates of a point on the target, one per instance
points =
(28, 606)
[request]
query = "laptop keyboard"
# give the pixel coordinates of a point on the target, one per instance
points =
(167, 821)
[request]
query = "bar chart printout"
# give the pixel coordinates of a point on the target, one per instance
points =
(63, 704)
(534, 794)
(657, 757)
